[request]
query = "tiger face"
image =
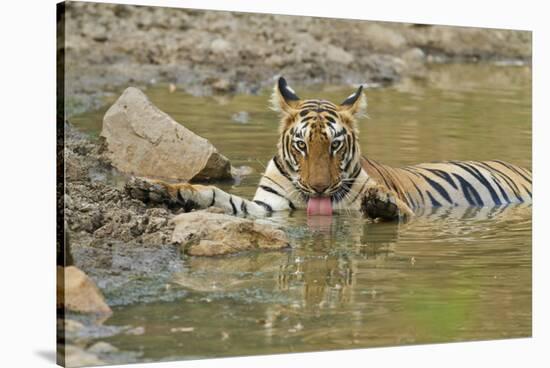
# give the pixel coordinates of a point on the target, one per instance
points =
(318, 141)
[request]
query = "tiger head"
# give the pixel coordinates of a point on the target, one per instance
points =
(318, 141)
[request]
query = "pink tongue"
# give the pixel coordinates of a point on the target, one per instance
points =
(319, 206)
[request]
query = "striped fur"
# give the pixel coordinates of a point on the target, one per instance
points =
(455, 183)
(319, 155)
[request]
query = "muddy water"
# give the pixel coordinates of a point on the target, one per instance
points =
(449, 275)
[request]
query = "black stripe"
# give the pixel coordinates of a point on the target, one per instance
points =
(526, 171)
(179, 197)
(331, 112)
(244, 209)
(281, 168)
(353, 143)
(511, 167)
(356, 171)
(502, 191)
(318, 104)
(344, 189)
(264, 205)
(392, 180)
(469, 191)
(286, 151)
(435, 203)
(438, 188)
(309, 104)
(291, 205)
(351, 152)
(411, 202)
(443, 175)
(332, 129)
(418, 190)
(341, 132)
(232, 205)
(285, 147)
(360, 191)
(213, 197)
(528, 191)
(381, 175)
(271, 190)
(274, 182)
(479, 176)
(411, 171)
(511, 184)
(328, 104)
(330, 119)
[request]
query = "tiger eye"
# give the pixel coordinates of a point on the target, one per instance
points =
(335, 145)
(301, 145)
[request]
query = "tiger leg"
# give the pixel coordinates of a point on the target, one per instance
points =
(381, 203)
(191, 196)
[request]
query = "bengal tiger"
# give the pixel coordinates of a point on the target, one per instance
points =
(319, 167)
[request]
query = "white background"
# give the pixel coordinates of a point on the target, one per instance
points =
(27, 202)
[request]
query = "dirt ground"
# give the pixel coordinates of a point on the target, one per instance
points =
(107, 46)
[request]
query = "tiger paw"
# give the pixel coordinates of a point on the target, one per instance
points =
(379, 203)
(156, 192)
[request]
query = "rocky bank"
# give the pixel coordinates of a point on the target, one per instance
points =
(125, 247)
(118, 225)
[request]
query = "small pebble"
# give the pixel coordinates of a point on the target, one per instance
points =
(241, 117)
(136, 331)
(102, 347)
(182, 329)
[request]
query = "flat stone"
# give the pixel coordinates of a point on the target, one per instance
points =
(102, 347)
(204, 233)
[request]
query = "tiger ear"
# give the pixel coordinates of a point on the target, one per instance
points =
(284, 98)
(356, 103)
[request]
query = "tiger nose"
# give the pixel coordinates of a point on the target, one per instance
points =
(320, 188)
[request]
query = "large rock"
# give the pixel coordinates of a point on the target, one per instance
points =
(144, 141)
(82, 294)
(205, 233)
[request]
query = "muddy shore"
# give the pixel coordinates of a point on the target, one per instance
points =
(108, 46)
(112, 236)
